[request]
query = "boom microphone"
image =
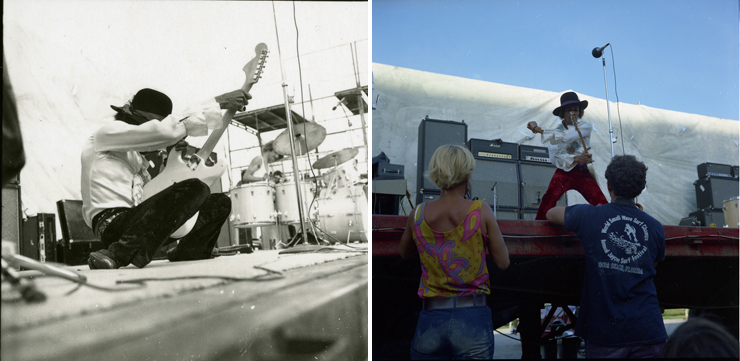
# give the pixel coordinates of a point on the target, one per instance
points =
(598, 51)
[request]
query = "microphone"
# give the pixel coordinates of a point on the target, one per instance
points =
(598, 51)
(343, 101)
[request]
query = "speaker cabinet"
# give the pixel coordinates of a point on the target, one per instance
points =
(78, 239)
(709, 217)
(711, 192)
(385, 204)
(715, 170)
(535, 180)
(433, 134)
(495, 182)
(11, 214)
(383, 171)
(494, 179)
(535, 173)
(39, 238)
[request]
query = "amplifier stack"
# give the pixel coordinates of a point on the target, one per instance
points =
(535, 172)
(716, 196)
(511, 178)
(433, 134)
(495, 179)
(389, 187)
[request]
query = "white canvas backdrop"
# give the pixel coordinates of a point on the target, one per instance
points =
(670, 143)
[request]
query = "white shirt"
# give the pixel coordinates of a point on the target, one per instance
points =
(565, 144)
(113, 170)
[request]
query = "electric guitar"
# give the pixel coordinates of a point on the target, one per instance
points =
(589, 166)
(178, 170)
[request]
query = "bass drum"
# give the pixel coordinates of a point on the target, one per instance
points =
(252, 205)
(342, 214)
(286, 201)
(732, 217)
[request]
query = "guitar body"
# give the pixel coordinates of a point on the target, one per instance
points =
(177, 170)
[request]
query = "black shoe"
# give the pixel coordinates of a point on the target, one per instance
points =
(102, 259)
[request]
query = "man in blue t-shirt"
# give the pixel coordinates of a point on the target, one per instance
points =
(620, 316)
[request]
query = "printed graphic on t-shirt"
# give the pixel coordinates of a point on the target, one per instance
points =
(624, 240)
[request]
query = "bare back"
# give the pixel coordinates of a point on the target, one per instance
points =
(444, 215)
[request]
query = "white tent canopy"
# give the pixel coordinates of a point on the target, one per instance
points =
(68, 61)
(670, 143)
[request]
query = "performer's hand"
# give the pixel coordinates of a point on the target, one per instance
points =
(181, 146)
(532, 125)
(234, 100)
(584, 158)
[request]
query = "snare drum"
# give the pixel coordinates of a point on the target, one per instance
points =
(342, 213)
(286, 200)
(252, 205)
(732, 218)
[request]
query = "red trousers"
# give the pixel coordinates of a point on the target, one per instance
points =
(578, 179)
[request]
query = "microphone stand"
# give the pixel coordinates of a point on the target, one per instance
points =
(608, 113)
(495, 206)
(296, 175)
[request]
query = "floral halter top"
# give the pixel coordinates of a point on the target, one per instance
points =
(452, 263)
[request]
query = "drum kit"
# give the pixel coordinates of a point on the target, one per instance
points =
(334, 204)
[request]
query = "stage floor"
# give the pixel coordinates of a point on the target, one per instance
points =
(300, 303)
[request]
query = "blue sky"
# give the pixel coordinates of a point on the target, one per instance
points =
(679, 55)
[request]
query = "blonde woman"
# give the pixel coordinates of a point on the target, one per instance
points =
(451, 235)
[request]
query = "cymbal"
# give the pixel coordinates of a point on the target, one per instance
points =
(336, 158)
(308, 136)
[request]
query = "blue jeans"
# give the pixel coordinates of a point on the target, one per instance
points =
(453, 333)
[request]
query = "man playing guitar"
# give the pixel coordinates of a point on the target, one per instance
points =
(114, 172)
(568, 144)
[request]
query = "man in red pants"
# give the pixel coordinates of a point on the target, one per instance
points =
(568, 155)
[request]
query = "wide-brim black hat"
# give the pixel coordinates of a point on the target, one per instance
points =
(569, 98)
(149, 100)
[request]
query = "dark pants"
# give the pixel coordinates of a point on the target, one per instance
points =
(135, 234)
(578, 179)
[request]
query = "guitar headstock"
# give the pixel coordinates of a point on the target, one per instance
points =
(254, 67)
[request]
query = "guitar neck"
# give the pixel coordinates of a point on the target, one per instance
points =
(580, 135)
(212, 140)
(253, 70)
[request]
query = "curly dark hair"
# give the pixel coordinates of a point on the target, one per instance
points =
(701, 337)
(626, 175)
(580, 113)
